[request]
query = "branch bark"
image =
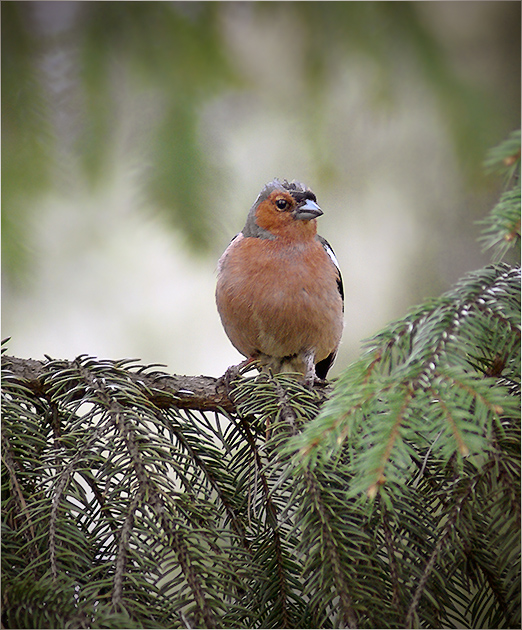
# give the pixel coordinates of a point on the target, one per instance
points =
(205, 393)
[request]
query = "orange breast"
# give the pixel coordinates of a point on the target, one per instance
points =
(280, 298)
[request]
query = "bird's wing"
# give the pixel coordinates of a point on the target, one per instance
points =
(328, 249)
(321, 368)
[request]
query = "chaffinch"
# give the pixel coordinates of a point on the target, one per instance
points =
(279, 289)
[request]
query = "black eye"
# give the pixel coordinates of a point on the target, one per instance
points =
(282, 204)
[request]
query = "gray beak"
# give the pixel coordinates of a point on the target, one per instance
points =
(309, 210)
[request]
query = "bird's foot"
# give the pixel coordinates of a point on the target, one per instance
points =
(233, 372)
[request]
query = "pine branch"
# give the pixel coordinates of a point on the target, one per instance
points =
(348, 615)
(162, 390)
(412, 619)
(501, 228)
(237, 534)
(390, 548)
(202, 393)
(12, 467)
(422, 374)
(504, 157)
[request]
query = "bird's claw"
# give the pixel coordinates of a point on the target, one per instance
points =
(234, 372)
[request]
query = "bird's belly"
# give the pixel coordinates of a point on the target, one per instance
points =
(293, 320)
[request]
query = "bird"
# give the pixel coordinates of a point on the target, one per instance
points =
(279, 290)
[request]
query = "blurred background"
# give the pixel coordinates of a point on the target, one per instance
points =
(136, 136)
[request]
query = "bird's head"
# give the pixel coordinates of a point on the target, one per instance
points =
(283, 208)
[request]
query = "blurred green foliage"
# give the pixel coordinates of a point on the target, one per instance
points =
(27, 142)
(177, 53)
(393, 35)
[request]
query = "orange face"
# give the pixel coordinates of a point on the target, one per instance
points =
(278, 214)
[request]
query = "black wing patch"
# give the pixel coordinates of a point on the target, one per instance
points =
(321, 368)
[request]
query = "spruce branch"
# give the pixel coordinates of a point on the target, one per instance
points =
(202, 393)
(161, 389)
(391, 551)
(271, 408)
(12, 466)
(422, 371)
(348, 616)
(124, 537)
(411, 616)
(505, 156)
(501, 228)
